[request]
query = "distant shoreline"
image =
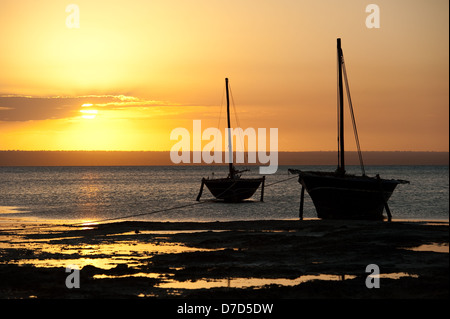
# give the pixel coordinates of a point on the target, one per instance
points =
(162, 158)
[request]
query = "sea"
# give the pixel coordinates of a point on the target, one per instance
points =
(168, 193)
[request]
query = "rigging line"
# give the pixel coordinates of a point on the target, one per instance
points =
(338, 114)
(238, 125)
(234, 107)
(284, 180)
(133, 215)
(220, 118)
(240, 132)
(221, 107)
(355, 131)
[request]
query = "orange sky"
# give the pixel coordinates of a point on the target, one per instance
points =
(148, 67)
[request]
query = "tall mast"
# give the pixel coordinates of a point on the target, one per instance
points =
(230, 146)
(341, 164)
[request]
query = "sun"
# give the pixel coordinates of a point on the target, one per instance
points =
(88, 113)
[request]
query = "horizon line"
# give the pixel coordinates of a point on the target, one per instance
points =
(146, 158)
(295, 151)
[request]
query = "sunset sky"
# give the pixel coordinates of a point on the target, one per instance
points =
(135, 70)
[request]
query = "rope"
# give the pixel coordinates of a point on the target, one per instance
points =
(241, 138)
(355, 131)
(338, 115)
(284, 180)
(134, 215)
(107, 219)
(220, 117)
(221, 107)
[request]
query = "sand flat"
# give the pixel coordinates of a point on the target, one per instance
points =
(241, 259)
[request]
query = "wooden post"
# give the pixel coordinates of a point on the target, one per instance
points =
(302, 199)
(262, 189)
(388, 211)
(386, 207)
(201, 190)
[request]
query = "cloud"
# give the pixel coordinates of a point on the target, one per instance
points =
(27, 108)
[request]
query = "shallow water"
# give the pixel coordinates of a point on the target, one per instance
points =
(151, 193)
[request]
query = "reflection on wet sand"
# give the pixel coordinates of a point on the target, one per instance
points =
(249, 282)
(435, 247)
(102, 255)
(311, 258)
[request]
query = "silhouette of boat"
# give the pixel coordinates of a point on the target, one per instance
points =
(338, 195)
(233, 188)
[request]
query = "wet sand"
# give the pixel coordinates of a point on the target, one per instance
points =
(277, 259)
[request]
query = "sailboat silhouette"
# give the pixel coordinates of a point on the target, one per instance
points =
(233, 188)
(338, 195)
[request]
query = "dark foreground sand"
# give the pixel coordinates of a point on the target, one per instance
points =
(275, 259)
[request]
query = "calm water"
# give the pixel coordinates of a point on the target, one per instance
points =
(98, 193)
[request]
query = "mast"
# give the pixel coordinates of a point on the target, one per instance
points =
(230, 146)
(341, 164)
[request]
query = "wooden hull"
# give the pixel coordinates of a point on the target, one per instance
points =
(233, 190)
(346, 196)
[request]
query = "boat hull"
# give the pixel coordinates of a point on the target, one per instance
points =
(346, 196)
(233, 190)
